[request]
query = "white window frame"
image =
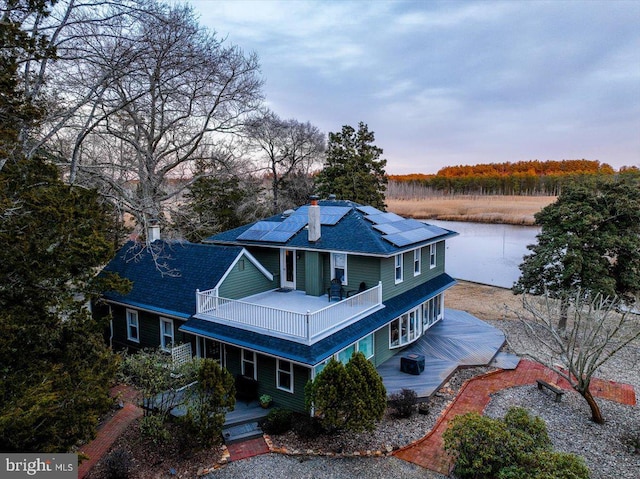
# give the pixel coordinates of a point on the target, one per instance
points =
(408, 322)
(433, 260)
(289, 371)
(398, 262)
(163, 336)
(132, 316)
(244, 360)
(417, 261)
(334, 255)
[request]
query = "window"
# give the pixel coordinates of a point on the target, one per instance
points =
(365, 346)
(431, 311)
(320, 367)
(133, 331)
(417, 261)
(399, 274)
(284, 375)
(166, 333)
(249, 364)
(344, 356)
(339, 267)
(405, 329)
(432, 256)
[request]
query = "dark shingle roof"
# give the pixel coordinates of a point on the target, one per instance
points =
(319, 351)
(168, 284)
(353, 233)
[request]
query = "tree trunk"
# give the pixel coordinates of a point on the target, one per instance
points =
(596, 415)
(564, 313)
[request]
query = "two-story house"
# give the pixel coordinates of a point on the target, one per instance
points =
(274, 300)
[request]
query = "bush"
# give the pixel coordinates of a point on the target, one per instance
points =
(278, 421)
(118, 464)
(516, 447)
(350, 397)
(403, 403)
(307, 427)
(152, 427)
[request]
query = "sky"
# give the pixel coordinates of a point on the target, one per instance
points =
(453, 82)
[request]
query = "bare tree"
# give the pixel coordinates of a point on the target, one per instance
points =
(287, 150)
(138, 93)
(598, 328)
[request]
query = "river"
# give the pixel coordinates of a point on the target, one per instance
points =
(487, 253)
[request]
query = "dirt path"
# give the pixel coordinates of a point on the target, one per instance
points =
(484, 302)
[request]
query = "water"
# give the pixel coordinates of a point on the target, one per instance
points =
(487, 253)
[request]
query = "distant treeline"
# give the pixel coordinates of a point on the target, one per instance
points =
(527, 178)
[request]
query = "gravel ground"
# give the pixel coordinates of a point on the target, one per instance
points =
(606, 448)
(277, 466)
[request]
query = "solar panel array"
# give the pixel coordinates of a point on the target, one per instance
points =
(398, 230)
(283, 231)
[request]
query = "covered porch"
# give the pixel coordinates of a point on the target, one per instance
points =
(459, 339)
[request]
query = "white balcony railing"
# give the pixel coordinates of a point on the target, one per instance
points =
(308, 327)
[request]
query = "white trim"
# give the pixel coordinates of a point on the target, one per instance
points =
(148, 310)
(417, 260)
(129, 314)
(290, 372)
(344, 279)
(283, 268)
(395, 268)
(433, 258)
(252, 259)
(163, 344)
(252, 361)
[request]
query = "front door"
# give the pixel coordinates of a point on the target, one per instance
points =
(288, 268)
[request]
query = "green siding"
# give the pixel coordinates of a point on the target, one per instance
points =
(381, 345)
(244, 280)
(313, 273)
(362, 268)
(266, 375)
(301, 271)
(149, 330)
(390, 289)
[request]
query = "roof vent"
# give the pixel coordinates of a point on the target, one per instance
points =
(332, 197)
(287, 213)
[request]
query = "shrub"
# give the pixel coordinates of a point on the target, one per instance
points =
(278, 421)
(209, 401)
(350, 397)
(152, 427)
(118, 464)
(516, 447)
(307, 427)
(403, 403)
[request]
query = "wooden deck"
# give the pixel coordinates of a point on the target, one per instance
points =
(460, 339)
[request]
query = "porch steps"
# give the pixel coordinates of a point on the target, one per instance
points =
(241, 432)
(242, 423)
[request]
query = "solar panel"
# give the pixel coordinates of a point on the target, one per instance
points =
(258, 230)
(381, 218)
(278, 236)
(418, 235)
(369, 210)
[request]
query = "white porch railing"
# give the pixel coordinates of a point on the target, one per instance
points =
(307, 328)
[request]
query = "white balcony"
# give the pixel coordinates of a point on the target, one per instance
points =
(289, 315)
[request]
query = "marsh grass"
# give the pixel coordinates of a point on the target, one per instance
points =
(517, 210)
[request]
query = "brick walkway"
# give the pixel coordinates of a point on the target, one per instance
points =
(428, 452)
(245, 449)
(111, 430)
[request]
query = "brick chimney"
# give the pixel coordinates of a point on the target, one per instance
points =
(314, 219)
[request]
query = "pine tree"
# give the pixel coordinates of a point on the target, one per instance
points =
(353, 169)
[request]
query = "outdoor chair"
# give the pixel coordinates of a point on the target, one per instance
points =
(335, 290)
(362, 288)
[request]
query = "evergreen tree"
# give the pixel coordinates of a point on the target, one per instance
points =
(348, 397)
(55, 367)
(590, 240)
(353, 169)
